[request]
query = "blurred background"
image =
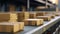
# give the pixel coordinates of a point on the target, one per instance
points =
(28, 5)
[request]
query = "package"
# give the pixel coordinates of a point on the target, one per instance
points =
(46, 18)
(22, 16)
(8, 17)
(33, 22)
(52, 16)
(21, 25)
(32, 15)
(9, 27)
(40, 13)
(4, 17)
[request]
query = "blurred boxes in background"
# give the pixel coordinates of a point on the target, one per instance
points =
(22, 16)
(46, 18)
(40, 13)
(32, 15)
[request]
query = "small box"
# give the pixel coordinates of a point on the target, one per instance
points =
(9, 27)
(13, 17)
(32, 15)
(52, 16)
(40, 13)
(46, 18)
(22, 16)
(33, 22)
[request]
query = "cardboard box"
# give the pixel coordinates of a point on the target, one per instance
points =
(33, 22)
(7, 17)
(52, 16)
(32, 15)
(40, 13)
(21, 25)
(13, 17)
(9, 27)
(22, 16)
(46, 18)
(4, 17)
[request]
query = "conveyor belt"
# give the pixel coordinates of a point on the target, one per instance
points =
(39, 29)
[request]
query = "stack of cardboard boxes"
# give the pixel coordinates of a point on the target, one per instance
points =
(9, 23)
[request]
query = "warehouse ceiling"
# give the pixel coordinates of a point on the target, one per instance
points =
(33, 3)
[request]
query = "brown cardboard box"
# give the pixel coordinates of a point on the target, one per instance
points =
(9, 27)
(46, 18)
(40, 13)
(4, 17)
(52, 16)
(49, 12)
(7, 17)
(32, 15)
(21, 25)
(13, 17)
(33, 22)
(22, 16)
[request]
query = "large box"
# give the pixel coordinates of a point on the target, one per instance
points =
(9, 27)
(32, 15)
(22, 16)
(46, 18)
(8, 17)
(33, 22)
